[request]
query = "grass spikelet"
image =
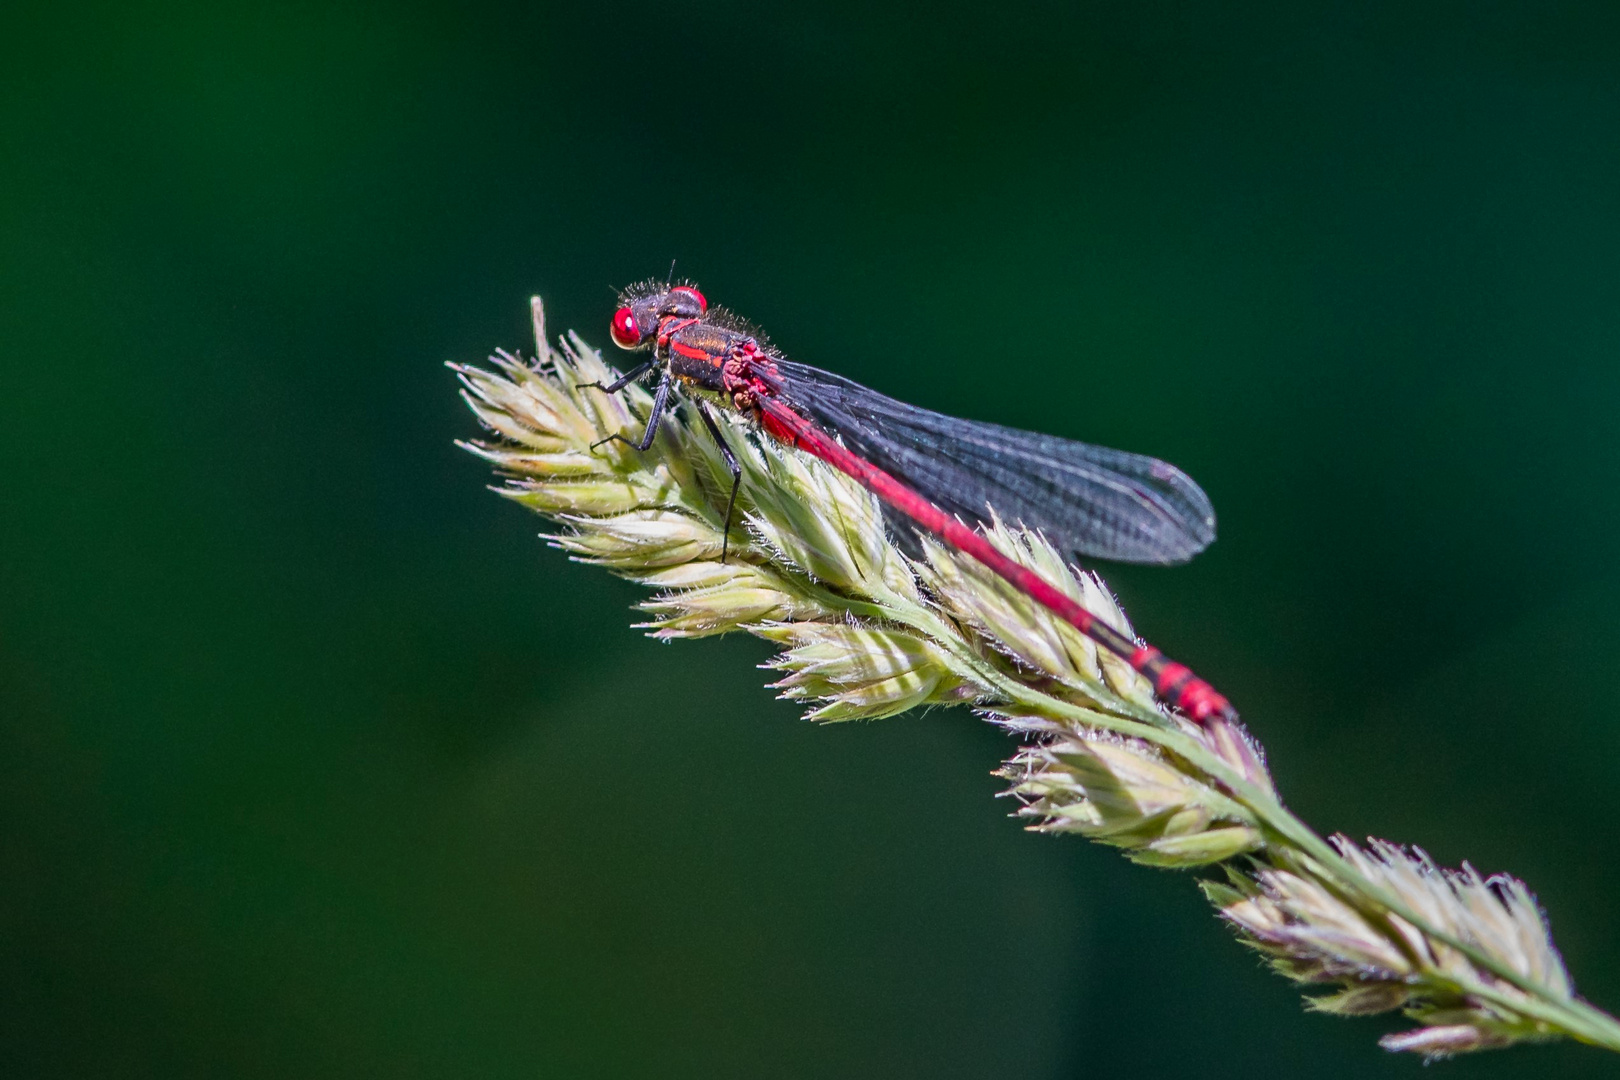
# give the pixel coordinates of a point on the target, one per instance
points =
(867, 632)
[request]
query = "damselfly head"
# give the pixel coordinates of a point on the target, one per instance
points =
(647, 305)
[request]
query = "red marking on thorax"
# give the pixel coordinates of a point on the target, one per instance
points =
(672, 324)
(692, 352)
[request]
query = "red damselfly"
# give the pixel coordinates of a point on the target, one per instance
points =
(940, 474)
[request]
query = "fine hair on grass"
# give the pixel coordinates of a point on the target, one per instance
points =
(869, 628)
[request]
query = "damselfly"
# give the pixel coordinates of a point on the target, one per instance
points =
(942, 475)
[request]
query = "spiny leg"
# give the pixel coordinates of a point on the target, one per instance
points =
(623, 380)
(660, 402)
(732, 465)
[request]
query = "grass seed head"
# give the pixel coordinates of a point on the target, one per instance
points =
(868, 632)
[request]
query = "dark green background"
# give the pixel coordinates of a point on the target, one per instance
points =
(314, 762)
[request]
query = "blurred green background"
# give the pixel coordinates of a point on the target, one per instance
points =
(315, 762)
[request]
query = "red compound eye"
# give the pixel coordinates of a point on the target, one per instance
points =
(702, 302)
(626, 334)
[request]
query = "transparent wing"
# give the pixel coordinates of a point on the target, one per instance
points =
(1088, 500)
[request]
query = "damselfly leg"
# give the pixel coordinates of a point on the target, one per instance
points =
(732, 465)
(654, 418)
(622, 381)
